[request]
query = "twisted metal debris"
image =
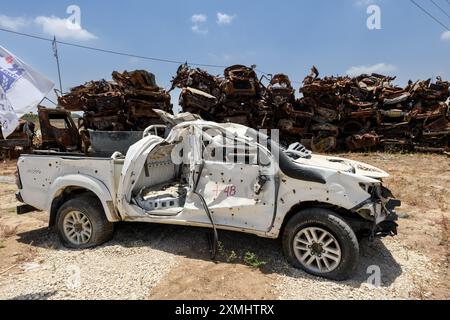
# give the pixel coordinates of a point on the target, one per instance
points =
(236, 97)
(367, 112)
(341, 113)
(123, 105)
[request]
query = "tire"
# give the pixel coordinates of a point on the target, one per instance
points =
(95, 227)
(338, 260)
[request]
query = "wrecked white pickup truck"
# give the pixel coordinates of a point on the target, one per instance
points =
(221, 176)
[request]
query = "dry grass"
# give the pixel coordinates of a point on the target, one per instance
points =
(419, 180)
(422, 183)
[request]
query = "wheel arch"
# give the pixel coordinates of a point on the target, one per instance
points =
(331, 223)
(357, 223)
(70, 186)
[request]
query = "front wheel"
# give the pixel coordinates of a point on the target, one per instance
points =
(321, 243)
(81, 223)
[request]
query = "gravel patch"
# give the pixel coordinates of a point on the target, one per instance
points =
(120, 269)
(141, 255)
(7, 180)
(403, 274)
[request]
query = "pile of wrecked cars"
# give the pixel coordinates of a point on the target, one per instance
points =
(344, 113)
(369, 112)
(332, 114)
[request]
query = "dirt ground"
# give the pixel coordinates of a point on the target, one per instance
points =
(170, 262)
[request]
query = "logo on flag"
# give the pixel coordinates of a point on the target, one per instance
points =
(10, 72)
(21, 89)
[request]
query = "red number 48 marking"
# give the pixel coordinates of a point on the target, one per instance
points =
(230, 191)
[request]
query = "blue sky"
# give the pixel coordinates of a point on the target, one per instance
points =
(277, 36)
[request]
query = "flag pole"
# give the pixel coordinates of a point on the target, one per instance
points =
(55, 52)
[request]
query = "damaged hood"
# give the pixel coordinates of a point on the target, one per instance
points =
(345, 165)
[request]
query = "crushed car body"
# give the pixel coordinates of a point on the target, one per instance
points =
(220, 176)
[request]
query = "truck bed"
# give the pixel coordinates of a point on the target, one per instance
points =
(41, 174)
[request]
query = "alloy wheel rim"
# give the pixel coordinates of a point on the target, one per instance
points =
(77, 227)
(317, 249)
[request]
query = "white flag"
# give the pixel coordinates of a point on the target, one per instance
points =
(8, 118)
(23, 86)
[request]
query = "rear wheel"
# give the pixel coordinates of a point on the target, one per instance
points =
(81, 223)
(321, 243)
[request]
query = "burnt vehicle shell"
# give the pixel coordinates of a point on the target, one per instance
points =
(58, 130)
(240, 81)
(19, 141)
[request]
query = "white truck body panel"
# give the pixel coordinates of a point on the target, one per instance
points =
(48, 176)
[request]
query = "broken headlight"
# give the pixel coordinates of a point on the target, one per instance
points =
(369, 188)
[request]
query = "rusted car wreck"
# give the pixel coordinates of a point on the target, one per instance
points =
(123, 105)
(367, 112)
(337, 113)
(18, 142)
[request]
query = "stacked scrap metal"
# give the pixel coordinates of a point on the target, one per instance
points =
(242, 98)
(292, 117)
(335, 113)
(200, 91)
(429, 115)
(237, 97)
(344, 110)
(369, 112)
(123, 105)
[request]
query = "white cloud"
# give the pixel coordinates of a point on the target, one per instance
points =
(13, 23)
(197, 29)
(445, 35)
(376, 68)
(198, 18)
(223, 18)
(63, 28)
